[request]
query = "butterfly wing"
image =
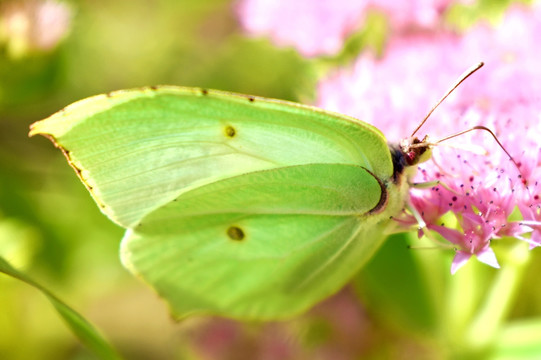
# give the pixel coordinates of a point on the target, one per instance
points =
(138, 149)
(263, 245)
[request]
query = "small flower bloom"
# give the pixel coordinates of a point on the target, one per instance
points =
(474, 239)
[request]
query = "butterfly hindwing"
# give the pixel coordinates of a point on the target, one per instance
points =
(262, 245)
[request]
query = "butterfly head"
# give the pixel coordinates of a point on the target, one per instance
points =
(415, 151)
(407, 153)
(411, 151)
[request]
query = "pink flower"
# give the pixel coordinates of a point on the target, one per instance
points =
(474, 239)
(482, 190)
(321, 27)
(33, 25)
(313, 27)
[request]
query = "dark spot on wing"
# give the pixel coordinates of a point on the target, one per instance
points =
(204, 92)
(251, 99)
(230, 131)
(235, 233)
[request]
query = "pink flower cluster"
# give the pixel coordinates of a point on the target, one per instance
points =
(482, 190)
(320, 27)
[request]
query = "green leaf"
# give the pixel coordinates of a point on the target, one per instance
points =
(88, 335)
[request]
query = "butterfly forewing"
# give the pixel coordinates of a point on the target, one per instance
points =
(137, 150)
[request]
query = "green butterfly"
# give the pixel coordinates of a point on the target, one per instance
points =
(234, 205)
(237, 205)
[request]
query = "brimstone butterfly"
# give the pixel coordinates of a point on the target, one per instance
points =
(235, 205)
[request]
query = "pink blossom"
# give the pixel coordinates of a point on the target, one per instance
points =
(474, 239)
(482, 190)
(52, 23)
(313, 27)
(321, 27)
(33, 25)
(348, 334)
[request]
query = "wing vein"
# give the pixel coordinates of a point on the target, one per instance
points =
(172, 164)
(331, 259)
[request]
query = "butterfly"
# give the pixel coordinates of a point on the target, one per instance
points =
(235, 205)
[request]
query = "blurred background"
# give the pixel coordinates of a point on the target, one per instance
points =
(53, 53)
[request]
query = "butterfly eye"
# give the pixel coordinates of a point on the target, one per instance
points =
(410, 157)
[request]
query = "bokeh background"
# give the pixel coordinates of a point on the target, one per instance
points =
(53, 53)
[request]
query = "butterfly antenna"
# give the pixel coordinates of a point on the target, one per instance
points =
(462, 77)
(480, 127)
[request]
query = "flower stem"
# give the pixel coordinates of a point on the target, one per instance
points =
(491, 313)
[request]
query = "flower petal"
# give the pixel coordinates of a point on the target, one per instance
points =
(488, 257)
(459, 260)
